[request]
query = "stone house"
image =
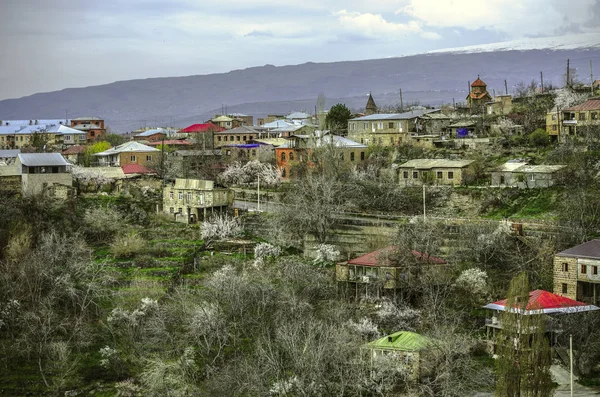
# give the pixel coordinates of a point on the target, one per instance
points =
(246, 119)
(247, 152)
(93, 126)
(576, 272)
(437, 172)
(580, 119)
(193, 200)
(501, 105)
(522, 175)
(462, 129)
(379, 273)
(128, 153)
(387, 129)
(201, 134)
(74, 154)
(411, 351)
(240, 135)
(299, 150)
(44, 173)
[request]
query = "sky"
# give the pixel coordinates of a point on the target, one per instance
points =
(47, 45)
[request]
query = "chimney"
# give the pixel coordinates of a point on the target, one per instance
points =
(30, 122)
(36, 122)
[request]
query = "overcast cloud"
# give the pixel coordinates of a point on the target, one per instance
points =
(53, 44)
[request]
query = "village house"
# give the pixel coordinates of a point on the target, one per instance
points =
(246, 119)
(435, 123)
(74, 154)
(380, 273)
(193, 200)
(192, 162)
(434, 171)
(175, 144)
(387, 129)
(128, 153)
(478, 96)
(300, 147)
(44, 173)
(66, 136)
(247, 152)
(261, 121)
(515, 173)
(577, 120)
(410, 351)
(93, 126)
(201, 134)
(239, 135)
(152, 135)
(576, 272)
(501, 105)
(18, 135)
(462, 129)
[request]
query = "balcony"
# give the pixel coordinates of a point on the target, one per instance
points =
(569, 122)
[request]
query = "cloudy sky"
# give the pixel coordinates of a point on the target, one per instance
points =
(47, 45)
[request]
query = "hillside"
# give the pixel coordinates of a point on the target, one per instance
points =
(430, 78)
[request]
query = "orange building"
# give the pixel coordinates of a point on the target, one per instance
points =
(479, 95)
(94, 126)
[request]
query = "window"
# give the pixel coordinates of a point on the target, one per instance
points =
(366, 141)
(379, 126)
(170, 195)
(439, 174)
(352, 156)
(237, 137)
(200, 198)
(282, 156)
(132, 158)
(365, 126)
(595, 270)
(148, 158)
(244, 138)
(532, 177)
(583, 269)
(189, 196)
(291, 156)
(554, 117)
(172, 210)
(283, 173)
(67, 137)
(565, 267)
(253, 152)
(554, 127)
(582, 116)
(502, 180)
(180, 210)
(390, 125)
(362, 141)
(219, 139)
(565, 288)
(180, 195)
(594, 116)
(450, 174)
(405, 174)
(415, 174)
(362, 156)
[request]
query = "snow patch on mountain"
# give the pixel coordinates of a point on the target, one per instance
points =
(570, 42)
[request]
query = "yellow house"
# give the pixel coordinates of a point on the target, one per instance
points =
(191, 200)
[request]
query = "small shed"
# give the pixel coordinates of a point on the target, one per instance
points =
(408, 348)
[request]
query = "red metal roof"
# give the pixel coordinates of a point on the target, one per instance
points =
(590, 104)
(374, 258)
(136, 169)
(478, 83)
(169, 142)
(202, 128)
(541, 301)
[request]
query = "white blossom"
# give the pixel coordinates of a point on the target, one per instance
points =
(242, 174)
(365, 327)
(326, 254)
(221, 227)
(473, 280)
(566, 98)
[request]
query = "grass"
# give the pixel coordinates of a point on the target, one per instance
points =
(529, 204)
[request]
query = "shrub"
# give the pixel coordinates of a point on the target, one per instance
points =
(539, 138)
(128, 245)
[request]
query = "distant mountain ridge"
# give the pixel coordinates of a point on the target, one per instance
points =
(431, 78)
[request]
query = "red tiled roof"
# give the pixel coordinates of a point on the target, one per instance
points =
(374, 258)
(169, 142)
(545, 302)
(202, 128)
(76, 149)
(136, 169)
(478, 83)
(479, 96)
(590, 104)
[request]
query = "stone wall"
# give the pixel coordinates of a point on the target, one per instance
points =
(565, 278)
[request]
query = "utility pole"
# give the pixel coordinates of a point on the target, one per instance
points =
(506, 87)
(401, 101)
(542, 80)
(591, 78)
(568, 73)
(258, 193)
(571, 360)
(453, 103)
(424, 215)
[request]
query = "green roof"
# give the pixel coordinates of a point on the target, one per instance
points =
(403, 340)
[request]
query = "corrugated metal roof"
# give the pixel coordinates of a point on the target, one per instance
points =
(128, 147)
(540, 169)
(510, 166)
(64, 130)
(590, 249)
(129, 169)
(239, 130)
(277, 124)
(152, 132)
(297, 115)
(403, 341)
(38, 122)
(202, 128)
(42, 159)
(590, 104)
(196, 184)
(435, 163)
(9, 153)
(221, 119)
(462, 124)
(396, 116)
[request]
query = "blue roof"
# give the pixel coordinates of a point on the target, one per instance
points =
(152, 132)
(247, 145)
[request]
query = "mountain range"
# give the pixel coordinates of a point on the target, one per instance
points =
(430, 78)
